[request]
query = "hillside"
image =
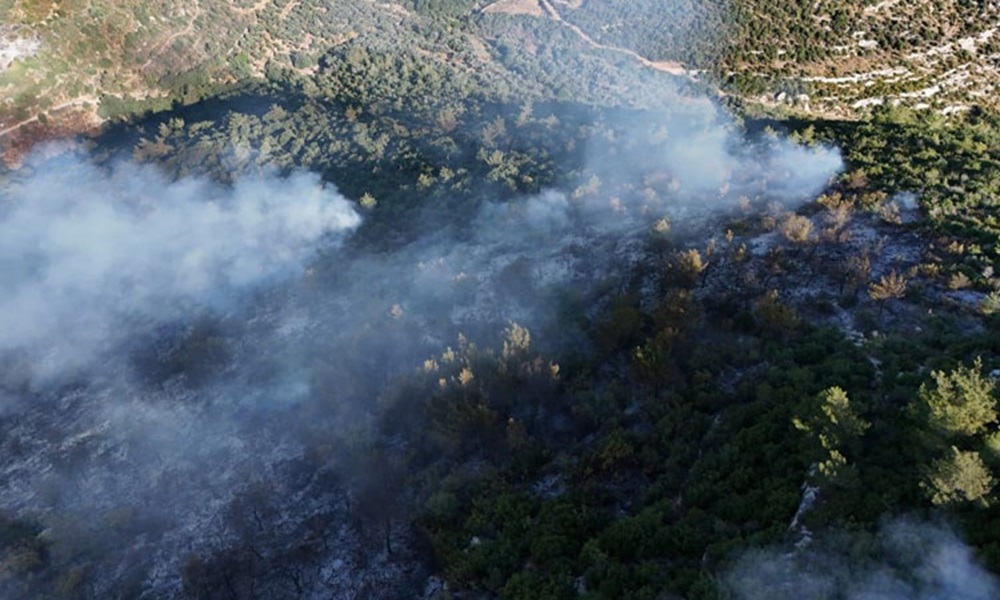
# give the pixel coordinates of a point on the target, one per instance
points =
(80, 63)
(527, 299)
(97, 60)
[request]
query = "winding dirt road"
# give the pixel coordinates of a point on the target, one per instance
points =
(674, 68)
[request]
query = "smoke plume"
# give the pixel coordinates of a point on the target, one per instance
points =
(88, 256)
(905, 560)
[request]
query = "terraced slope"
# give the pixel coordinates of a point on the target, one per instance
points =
(832, 57)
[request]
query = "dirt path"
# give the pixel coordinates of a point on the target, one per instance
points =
(18, 125)
(288, 9)
(75, 102)
(170, 40)
(673, 68)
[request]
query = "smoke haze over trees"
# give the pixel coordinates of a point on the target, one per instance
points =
(904, 560)
(195, 321)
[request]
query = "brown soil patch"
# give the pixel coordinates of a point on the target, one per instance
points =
(31, 135)
(516, 7)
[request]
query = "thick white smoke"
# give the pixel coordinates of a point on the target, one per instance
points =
(906, 560)
(699, 161)
(87, 254)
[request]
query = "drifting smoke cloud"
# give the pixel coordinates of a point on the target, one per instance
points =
(88, 256)
(700, 161)
(906, 560)
(803, 171)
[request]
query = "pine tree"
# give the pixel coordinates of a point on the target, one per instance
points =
(959, 476)
(960, 402)
(832, 422)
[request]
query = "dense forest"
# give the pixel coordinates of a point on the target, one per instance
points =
(573, 327)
